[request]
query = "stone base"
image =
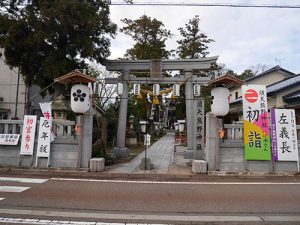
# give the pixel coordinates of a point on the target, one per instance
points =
(131, 141)
(149, 165)
(97, 164)
(199, 166)
(120, 152)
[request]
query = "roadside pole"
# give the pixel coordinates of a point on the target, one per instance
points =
(147, 138)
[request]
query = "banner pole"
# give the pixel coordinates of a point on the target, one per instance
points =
(36, 158)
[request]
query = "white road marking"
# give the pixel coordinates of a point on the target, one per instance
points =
(15, 189)
(23, 180)
(2, 199)
(171, 182)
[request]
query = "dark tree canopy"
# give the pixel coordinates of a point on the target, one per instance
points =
(46, 39)
(194, 41)
(149, 36)
(246, 74)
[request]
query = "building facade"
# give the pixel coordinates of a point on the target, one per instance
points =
(283, 89)
(13, 91)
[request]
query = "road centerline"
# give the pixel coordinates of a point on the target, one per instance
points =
(174, 182)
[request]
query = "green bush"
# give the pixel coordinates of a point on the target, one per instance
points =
(98, 151)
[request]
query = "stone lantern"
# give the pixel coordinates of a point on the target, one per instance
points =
(131, 138)
(60, 108)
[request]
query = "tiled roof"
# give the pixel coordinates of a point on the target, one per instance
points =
(276, 68)
(284, 84)
(281, 86)
(75, 76)
(292, 96)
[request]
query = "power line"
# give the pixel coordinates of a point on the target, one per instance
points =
(278, 6)
(232, 5)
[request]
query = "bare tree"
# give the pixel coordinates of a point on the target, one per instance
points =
(259, 68)
(104, 94)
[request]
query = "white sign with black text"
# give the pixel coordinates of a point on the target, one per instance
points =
(284, 135)
(43, 147)
(147, 139)
(9, 139)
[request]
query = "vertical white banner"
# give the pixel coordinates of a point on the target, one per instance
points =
(28, 134)
(46, 109)
(43, 147)
(284, 135)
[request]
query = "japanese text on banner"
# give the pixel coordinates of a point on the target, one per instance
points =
(28, 135)
(284, 136)
(256, 125)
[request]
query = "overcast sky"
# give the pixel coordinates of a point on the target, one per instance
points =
(243, 36)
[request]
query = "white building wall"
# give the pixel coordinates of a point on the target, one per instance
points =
(269, 78)
(8, 91)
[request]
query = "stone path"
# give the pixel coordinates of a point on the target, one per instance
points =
(161, 154)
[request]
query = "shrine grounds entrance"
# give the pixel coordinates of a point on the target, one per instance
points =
(194, 105)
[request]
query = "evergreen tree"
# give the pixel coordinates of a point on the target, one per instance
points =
(194, 42)
(194, 45)
(149, 36)
(46, 39)
(246, 74)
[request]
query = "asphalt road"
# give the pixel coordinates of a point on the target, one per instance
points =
(116, 200)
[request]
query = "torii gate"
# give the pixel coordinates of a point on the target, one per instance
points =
(155, 67)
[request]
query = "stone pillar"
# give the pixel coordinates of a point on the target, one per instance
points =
(189, 153)
(87, 138)
(120, 150)
(212, 149)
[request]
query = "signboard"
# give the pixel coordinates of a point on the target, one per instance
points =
(9, 139)
(28, 135)
(256, 123)
(284, 135)
(199, 127)
(147, 139)
(43, 147)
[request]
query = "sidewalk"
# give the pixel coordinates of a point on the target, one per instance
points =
(162, 156)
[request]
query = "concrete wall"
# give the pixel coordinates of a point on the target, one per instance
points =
(64, 150)
(228, 154)
(63, 154)
(232, 159)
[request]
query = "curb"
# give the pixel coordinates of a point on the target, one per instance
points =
(247, 173)
(84, 173)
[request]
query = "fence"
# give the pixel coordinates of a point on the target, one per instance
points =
(61, 128)
(231, 155)
(64, 150)
(235, 132)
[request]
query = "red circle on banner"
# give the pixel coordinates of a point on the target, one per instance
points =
(251, 96)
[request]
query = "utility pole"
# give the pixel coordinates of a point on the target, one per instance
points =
(17, 94)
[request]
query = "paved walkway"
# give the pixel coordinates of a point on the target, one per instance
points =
(161, 154)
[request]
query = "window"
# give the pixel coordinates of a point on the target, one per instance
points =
(236, 95)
